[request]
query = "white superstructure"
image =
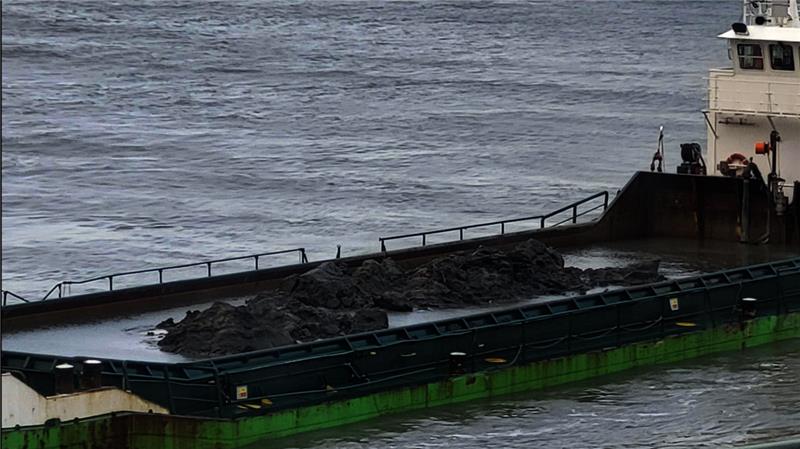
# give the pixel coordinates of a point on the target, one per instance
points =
(759, 94)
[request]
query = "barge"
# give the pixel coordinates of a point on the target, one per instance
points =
(750, 197)
(238, 400)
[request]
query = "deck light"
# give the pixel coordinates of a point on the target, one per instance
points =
(63, 378)
(92, 374)
(748, 308)
(457, 360)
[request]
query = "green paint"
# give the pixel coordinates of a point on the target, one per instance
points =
(171, 432)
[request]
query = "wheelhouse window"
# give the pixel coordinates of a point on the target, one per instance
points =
(781, 56)
(750, 56)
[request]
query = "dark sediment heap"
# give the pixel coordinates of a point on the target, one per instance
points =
(330, 300)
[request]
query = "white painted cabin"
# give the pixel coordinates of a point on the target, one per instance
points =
(761, 92)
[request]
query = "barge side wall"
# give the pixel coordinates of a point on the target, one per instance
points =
(137, 430)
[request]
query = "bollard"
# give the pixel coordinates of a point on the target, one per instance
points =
(457, 360)
(64, 378)
(92, 375)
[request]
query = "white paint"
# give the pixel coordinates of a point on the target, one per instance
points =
(23, 406)
(745, 104)
(764, 33)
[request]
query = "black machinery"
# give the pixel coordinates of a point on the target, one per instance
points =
(693, 162)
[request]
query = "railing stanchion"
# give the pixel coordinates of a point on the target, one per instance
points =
(541, 224)
(423, 239)
(461, 233)
(619, 324)
(160, 275)
(208, 266)
(569, 333)
(256, 258)
(111, 283)
(574, 214)
(7, 293)
(502, 228)
(59, 291)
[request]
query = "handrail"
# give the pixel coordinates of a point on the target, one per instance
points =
(787, 82)
(542, 221)
(60, 287)
(7, 293)
(160, 270)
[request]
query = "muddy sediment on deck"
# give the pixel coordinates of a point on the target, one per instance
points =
(331, 300)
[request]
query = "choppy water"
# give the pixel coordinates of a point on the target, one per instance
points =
(722, 401)
(142, 133)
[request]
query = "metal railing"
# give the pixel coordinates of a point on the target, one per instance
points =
(7, 293)
(61, 286)
(542, 219)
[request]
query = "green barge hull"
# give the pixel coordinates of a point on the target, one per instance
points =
(140, 430)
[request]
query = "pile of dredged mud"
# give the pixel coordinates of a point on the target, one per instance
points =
(331, 300)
